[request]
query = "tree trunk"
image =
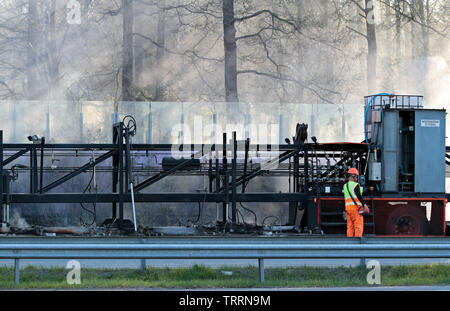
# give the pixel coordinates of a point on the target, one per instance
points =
(127, 51)
(326, 51)
(426, 30)
(139, 52)
(372, 48)
(424, 52)
(45, 84)
(53, 62)
(32, 46)
(413, 42)
(424, 19)
(139, 56)
(387, 68)
(300, 88)
(161, 40)
(398, 43)
(230, 47)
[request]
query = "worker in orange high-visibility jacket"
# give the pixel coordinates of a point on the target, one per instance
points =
(354, 205)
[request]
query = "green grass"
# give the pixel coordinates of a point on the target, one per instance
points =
(206, 277)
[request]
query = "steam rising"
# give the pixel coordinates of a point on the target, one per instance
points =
(18, 221)
(320, 76)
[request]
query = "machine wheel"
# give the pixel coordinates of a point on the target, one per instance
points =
(407, 220)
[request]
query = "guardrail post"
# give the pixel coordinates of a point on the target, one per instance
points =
(362, 260)
(16, 269)
(261, 269)
(143, 261)
(143, 264)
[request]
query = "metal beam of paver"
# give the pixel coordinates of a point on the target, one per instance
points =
(79, 171)
(15, 156)
(160, 176)
(152, 197)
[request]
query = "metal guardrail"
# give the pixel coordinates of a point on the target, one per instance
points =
(221, 248)
(277, 239)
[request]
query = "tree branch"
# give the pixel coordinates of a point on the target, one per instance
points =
(291, 23)
(359, 33)
(284, 78)
(185, 53)
(413, 19)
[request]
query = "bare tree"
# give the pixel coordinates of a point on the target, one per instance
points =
(371, 46)
(367, 13)
(32, 76)
(213, 50)
(160, 52)
(127, 51)
(230, 51)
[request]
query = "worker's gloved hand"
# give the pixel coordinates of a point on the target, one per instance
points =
(344, 215)
(363, 209)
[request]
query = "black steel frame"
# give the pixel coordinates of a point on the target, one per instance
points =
(221, 188)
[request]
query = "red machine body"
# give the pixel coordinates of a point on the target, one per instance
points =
(388, 216)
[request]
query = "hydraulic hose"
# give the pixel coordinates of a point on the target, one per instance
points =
(367, 109)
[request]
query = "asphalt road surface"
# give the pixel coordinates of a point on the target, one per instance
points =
(308, 289)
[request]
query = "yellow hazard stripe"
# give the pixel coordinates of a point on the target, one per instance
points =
(351, 201)
(352, 204)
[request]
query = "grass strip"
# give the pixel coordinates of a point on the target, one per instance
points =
(199, 276)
